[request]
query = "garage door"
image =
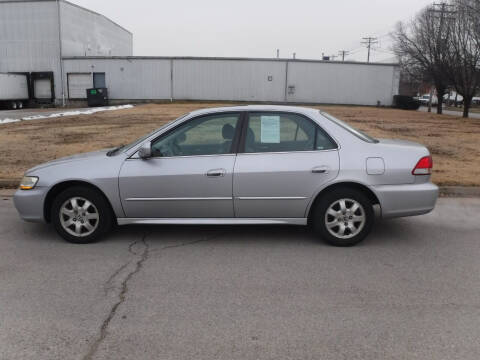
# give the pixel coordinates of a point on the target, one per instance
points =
(43, 89)
(78, 85)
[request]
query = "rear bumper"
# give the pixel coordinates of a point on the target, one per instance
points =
(406, 200)
(29, 204)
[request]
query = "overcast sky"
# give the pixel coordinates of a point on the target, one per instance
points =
(256, 28)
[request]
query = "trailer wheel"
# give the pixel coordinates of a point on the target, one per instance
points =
(20, 105)
(13, 105)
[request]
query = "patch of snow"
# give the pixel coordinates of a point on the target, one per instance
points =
(69, 113)
(7, 121)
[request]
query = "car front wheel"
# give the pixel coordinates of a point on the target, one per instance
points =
(81, 215)
(343, 217)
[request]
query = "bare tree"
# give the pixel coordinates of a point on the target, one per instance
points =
(422, 46)
(464, 51)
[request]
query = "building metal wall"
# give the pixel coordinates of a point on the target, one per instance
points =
(29, 38)
(338, 83)
(294, 81)
(85, 33)
(236, 80)
(141, 79)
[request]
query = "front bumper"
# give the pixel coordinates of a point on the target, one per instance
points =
(406, 200)
(29, 204)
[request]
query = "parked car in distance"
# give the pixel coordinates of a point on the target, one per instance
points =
(425, 99)
(235, 165)
(405, 102)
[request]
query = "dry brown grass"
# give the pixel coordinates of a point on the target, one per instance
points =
(454, 142)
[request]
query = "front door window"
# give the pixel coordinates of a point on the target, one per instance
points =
(207, 135)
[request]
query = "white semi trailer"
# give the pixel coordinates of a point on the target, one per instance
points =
(13, 90)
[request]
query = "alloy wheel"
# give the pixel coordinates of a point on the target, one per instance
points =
(345, 218)
(79, 217)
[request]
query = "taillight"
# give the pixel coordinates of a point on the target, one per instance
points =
(424, 166)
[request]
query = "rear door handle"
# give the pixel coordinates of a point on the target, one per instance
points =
(320, 170)
(216, 173)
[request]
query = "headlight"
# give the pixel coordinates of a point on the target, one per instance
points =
(28, 182)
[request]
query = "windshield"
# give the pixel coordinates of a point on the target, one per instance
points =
(143, 138)
(359, 134)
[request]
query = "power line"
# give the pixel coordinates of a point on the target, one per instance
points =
(368, 42)
(442, 9)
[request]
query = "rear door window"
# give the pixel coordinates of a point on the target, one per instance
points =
(284, 132)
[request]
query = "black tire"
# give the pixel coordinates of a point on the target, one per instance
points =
(326, 201)
(100, 206)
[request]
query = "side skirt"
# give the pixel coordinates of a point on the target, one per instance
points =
(219, 221)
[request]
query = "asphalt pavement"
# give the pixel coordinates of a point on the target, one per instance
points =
(459, 113)
(410, 291)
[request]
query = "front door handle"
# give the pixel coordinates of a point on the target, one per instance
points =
(320, 170)
(216, 173)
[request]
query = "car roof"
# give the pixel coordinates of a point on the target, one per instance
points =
(284, 108)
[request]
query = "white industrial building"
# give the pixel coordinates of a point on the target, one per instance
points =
(82, 49)
(36, 35)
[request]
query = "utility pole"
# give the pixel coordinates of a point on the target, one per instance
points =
(443, 10)
(369, 42)
(343, 53)
(278, 53)
(445, 13)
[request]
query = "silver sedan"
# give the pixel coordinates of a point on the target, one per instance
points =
(235, 165)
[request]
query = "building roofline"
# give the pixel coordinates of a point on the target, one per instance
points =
(72, 4)
(95, 13)
(224, 58)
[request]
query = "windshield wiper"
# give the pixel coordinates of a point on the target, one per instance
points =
(114, 151)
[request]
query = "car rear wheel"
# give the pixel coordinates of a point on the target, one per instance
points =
(343, 217)
(81, 215)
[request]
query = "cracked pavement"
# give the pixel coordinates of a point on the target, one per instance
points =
(412, 290)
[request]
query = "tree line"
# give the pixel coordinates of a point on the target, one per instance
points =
(441, 46)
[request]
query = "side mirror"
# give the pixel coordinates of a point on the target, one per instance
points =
(145, 151)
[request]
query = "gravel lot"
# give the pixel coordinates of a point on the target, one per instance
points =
(411, 291)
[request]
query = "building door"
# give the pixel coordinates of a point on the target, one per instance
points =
(43, 89)
(99, 80)
(78, 85)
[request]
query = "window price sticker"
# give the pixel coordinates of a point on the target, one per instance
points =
(270, 129)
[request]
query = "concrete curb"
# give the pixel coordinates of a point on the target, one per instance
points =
(8, 184)
(5, 193)
(445, 191)
(460, 191)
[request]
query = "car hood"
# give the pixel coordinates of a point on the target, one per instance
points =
(77, 157)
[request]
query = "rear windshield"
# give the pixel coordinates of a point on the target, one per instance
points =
(359, 134)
